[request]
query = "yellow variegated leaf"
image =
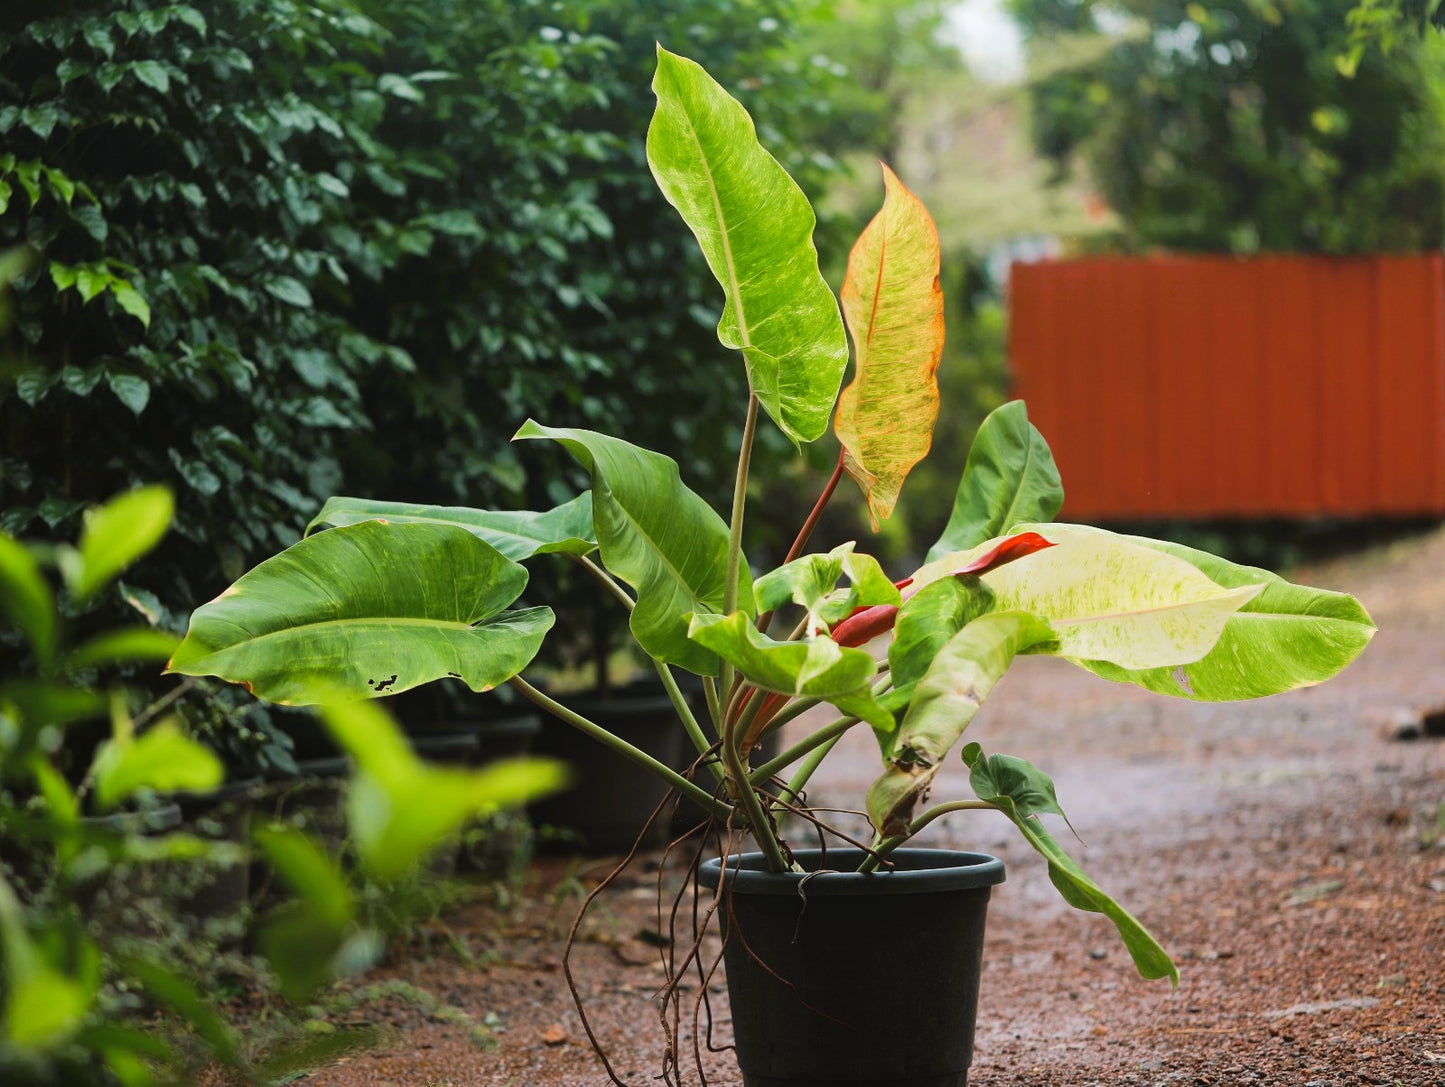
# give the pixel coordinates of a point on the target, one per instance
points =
(894, 309)
(1111, 599)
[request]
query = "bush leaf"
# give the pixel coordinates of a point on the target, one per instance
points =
(116, 535)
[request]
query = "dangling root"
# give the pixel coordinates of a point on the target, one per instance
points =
(676, 962)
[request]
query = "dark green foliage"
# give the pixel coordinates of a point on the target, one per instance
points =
(292, 249)
(1234, 127)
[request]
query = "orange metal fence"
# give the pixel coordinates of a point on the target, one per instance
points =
(1221, 387)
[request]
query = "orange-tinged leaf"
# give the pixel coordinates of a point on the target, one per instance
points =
(894, 309)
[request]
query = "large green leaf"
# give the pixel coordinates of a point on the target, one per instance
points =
(894, 308)
(517, 534)
(944, 704)
(1010, 477)
(659, 537)
(1111, 599)
(26, 599)
(815, 667)
(1023, 793)
(812, 583)
(755, 227)
(1287, 636)
(373, 608)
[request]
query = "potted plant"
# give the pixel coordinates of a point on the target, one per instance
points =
(391, 596)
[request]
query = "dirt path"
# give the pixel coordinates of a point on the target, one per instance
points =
(1289, 856)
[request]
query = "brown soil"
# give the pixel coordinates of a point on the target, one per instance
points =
(1288, 853)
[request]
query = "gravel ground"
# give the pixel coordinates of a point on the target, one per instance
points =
(1289, 853)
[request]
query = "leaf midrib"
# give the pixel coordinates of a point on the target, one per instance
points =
(734, 286)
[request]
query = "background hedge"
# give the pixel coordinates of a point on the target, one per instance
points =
(289, 249)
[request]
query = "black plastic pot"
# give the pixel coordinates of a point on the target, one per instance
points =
(855, 980)
(129, 898)
(220, 894)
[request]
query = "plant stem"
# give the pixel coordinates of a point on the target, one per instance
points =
(608, 582)
(733, 574)
(815, 759)
(794, 708)
(803, 747)
(883, 847)
(685, 715)
(623, 748)
(812, 522)
(758, 819)
(714, 704)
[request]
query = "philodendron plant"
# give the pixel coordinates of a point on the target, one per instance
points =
(383, 596)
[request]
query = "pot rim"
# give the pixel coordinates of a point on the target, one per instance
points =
(918, 870)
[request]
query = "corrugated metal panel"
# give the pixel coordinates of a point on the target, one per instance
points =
(1216, 387)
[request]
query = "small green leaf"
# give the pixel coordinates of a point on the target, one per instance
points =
(41, 119)
(63, 275)
(132, 391)
(27, 599)
(163, 758)
(929, 620)
(399, 87)
(61, 185)
(153, 74)
(41, 703)
(1010, 477)
(399, 809)
(71, 69)
(812, 583)
(310, 872)
(42, 1006)
(184, 13)
(91, 280)
(123, 645)
(812, 667)
(116, 535)
(1023, 792)
(290, 290)
(131, 301)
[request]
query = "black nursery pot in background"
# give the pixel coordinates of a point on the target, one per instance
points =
(855, 980)
(611, 798)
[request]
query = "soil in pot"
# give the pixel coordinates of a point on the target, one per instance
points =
(855, 980)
